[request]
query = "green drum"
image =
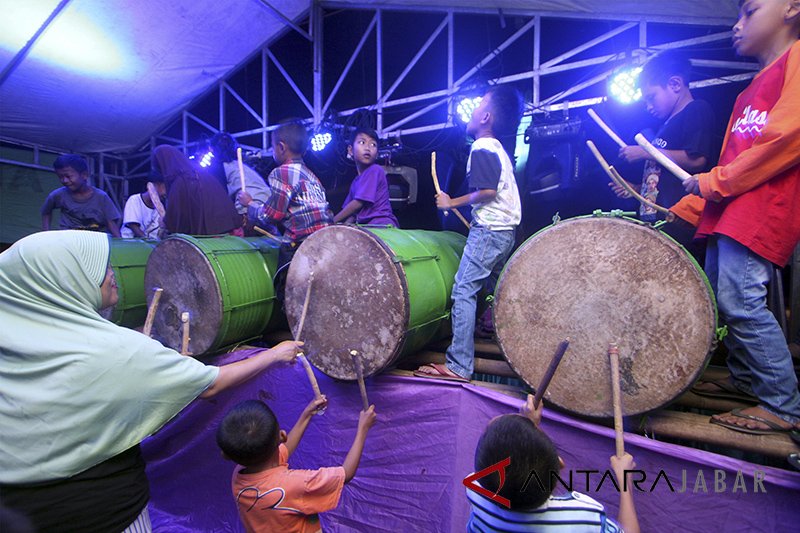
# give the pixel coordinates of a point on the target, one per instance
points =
(223, 282)
(383, 292)
(128, 260)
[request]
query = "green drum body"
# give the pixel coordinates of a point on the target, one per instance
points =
(383, 292)
(223, 282)
(599, 280)
(128, 260)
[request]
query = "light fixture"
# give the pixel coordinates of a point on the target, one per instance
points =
(320, 140)
(466, 106)
(623, 85)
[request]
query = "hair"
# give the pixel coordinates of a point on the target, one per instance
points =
(506, 109)
(293, 134)
(369, 132)
(249, 433)
(664, 65)
(224, 146)
(74, 161)
(530, 450)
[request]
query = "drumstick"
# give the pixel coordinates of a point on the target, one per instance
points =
(360, 374)
(310, 373)
(267, 234)
(551, 370)
(153, 193)
(439, 190)
(185, 343)
(603, 126)
(241, 166)
(662, 159)
(613, 356)
(151, 311)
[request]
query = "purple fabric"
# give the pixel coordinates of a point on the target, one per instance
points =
(419, 451)
(372, 187)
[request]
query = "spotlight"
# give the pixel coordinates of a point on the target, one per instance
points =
(466, 106)
(320, 140)
(623, 85)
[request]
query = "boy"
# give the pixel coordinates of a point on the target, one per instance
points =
(82, 206)
(368, 199)
(140, 217)
(496, 213)
(752, 217)
(684, 136)
(269, 495)
(532, 505)
(224, 147)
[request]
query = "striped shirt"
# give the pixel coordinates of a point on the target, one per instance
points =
(570, 513)
(297, 202)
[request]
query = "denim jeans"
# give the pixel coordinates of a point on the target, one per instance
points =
(484, 255)
(758, 356)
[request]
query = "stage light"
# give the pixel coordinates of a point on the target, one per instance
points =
(466, 106)
(320, 140)
(623, 85)
(206, 159)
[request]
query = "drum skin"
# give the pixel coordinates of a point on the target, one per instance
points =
(383, 292)
(128, 260)
(598, 280)
(223, 282)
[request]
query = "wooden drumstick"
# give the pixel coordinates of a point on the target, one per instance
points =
(267, 234)
(185, 342)
(605, 127)
(551, 370)
(613, 357)
(661, 158)
(360, 375)
(241, 166)
(310, 373)
(151, 311)
(156, 199)
(439, 190)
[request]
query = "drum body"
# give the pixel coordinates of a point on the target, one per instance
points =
(223, 282)
(128, 260)
(383, 292)
(598, 280)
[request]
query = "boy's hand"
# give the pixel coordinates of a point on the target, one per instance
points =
(527, 410)
(245, 198)
(692, 186)
(286, 352)
(366, 419)
(314, 406)
(443, 201)
(620, 464)
(631, 154)
(619, 191)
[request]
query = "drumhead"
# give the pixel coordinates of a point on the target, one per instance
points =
(599, 280)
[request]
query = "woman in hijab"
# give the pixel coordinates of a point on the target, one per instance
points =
(78, 393)
(197, 203)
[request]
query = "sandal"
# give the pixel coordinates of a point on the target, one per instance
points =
(773, 426)
(438, 371)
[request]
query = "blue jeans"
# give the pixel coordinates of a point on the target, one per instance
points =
(758, 356)
(484, 255)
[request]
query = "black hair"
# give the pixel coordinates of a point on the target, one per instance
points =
(530, 450)
(249, 433)
(293, 134)
(74, 161)
(506, 109)
(224, 146)
(664, 65)
(365, 130)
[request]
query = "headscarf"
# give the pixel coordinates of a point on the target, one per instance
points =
(76, 389)
(197, 203)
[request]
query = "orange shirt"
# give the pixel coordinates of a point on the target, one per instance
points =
(280, 499)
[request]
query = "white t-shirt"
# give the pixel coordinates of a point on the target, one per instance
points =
(489, 167)
(137, 212)
(256, 186)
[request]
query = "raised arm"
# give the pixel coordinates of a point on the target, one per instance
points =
(627, 512)
(293, 439)
(365, 421)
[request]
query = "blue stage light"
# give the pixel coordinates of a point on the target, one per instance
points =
(466, 106)
(623, 85)
(320, 140)
(206, 159)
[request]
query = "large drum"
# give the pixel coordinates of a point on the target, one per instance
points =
(598, 280)
(383, 292)
(128, 261)
(223, 282)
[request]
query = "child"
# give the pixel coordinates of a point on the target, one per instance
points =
(224, 147)
(250, 436)
(685, 137)
(368, 199)
(140, 219)
(752, 217)
(533, 506)
(495, 216)
(82, 206)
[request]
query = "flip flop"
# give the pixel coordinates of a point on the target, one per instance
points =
(726, 391)
(439, 372)
(774, 428)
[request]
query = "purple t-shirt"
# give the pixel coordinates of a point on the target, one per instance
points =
(372, 188)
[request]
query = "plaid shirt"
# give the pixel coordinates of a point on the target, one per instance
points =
(297, 201)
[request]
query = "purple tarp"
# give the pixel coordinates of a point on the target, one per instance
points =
(421, 448)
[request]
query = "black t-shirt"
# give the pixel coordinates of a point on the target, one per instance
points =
(106, 498)
(689, 130)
